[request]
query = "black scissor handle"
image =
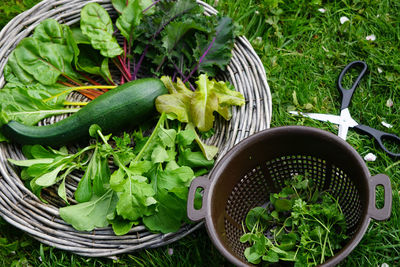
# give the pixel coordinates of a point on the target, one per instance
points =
(380, 137)
(348, 93)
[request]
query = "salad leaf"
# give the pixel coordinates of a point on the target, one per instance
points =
(203, 105)
(177, 101)
(96, 24)
(171, 211)
(198, 107)
(89, 215)
(136, 199)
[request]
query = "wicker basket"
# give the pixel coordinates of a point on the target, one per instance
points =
(24, 210)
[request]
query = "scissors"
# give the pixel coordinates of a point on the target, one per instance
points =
(345, 121)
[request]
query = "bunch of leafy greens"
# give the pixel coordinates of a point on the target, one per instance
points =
(198, 107)
(178, 38)
(170, 37)
(300, 224)
(149, 184)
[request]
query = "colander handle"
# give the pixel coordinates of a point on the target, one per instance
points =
(199, 182)
(384, 212)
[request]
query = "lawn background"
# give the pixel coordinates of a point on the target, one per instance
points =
(303, 46)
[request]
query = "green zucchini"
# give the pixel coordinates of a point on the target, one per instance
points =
(120, 108)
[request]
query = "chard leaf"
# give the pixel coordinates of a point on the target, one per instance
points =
(79, 37)
(120, 5)
(89, 60)
(130, 19)
(23, 76)
(96, 24)
(89, 215)
(50, 31)
(44, 61)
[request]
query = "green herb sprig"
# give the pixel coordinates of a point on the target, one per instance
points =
(300, 224)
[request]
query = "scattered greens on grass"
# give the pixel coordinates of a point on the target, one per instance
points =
(300, 224)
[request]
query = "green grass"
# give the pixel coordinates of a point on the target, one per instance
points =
(303, 52)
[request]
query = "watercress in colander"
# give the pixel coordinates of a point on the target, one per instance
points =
(299, 224)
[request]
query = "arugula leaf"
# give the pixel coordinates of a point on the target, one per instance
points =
(136, 199)
(171, 211)
(89, 215)
(194, 159)
(96, 24)
(119, 225)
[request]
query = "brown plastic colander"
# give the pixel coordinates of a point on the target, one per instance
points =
(259, 165)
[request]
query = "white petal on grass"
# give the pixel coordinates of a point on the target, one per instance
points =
(344, 19)
(387, 125)
(322, 10)
(385, 265)
(389, 103)
(380, 70)
(170, 251)
(370, 157)
(371, 37)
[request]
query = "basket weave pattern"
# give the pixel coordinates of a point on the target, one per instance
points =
(24, 210)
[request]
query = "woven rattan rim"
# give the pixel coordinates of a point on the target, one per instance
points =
(22, 209)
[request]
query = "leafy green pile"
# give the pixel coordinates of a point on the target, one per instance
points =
(149, 185)
(299, 224)
(147, 38)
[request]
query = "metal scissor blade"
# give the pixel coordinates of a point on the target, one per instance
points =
(318, 116)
